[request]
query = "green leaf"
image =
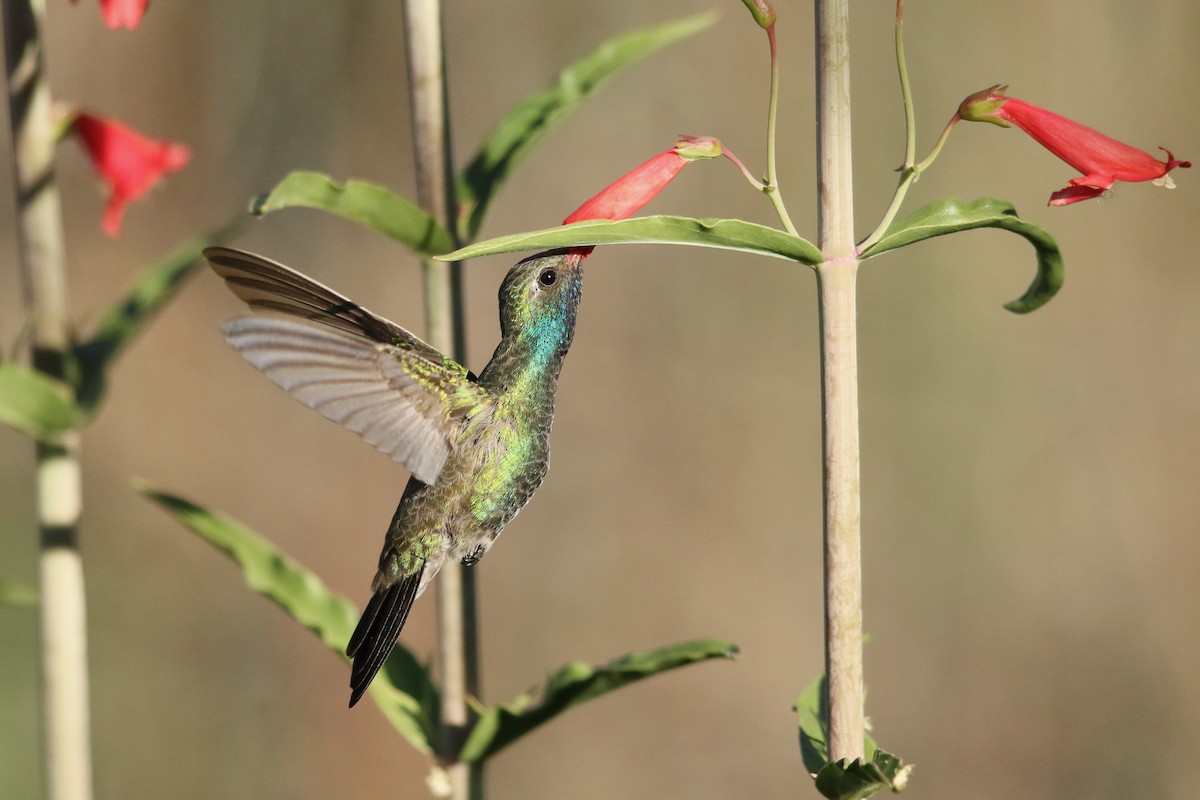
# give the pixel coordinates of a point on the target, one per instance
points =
(405, 679)
(844, 779)
(303, 595)
(149, 294)
(950, 216)
(35, 404)
(854, 780)
(725, 234)
(577, 683)
(14, 594)
(522, 127)
(367, 204)
(811, 711)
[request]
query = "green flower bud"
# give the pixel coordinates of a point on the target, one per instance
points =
(762, 12)
(982, 106)
(694, 147)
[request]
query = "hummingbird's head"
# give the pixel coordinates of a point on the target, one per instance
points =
(539, 298)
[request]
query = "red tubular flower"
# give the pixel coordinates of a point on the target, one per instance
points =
(623, 197)
(1101, 159)
(127, 161)
(122, 13)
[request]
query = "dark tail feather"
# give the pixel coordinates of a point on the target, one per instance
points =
(378, 631)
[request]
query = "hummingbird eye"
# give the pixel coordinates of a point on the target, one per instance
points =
(547, 277)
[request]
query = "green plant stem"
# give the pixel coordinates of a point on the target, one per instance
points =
(911, 171)
(40, 238)
(772, 187)
(458, 635)
(839, 379)
(753, 181)
(910, 118)
(907, 178)
(907, 174)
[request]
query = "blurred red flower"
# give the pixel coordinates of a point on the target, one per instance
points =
(122, 13)
(1101, 159)
(127, 161)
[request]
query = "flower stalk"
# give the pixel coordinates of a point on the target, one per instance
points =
(910, 117)
(458, 632)
(839, 379)
(40, 237)
(909, 175)
(764, 16)
(772, 187)
(911, 171)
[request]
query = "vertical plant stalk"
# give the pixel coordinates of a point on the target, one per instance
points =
(458, 634)
(839, 380)
(40, 237)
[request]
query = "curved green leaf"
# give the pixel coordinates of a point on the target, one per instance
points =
(950, 216)
(845, 779)
(303, 595)
(153, 290)
(725, 234)
(35, 404)
(577, 683)
(367, 204)
(522, 127)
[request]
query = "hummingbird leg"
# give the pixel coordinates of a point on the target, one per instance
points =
(476, 554)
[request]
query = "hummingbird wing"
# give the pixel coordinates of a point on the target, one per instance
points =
(358, 369)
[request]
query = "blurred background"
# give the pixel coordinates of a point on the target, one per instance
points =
(1029, 483)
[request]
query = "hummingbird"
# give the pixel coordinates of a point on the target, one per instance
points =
(477, 446)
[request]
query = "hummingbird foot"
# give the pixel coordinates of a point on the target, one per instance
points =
(473, 557)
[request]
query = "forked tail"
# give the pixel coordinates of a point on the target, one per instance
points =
(378, 631)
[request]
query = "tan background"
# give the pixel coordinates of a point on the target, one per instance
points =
(1030, 504)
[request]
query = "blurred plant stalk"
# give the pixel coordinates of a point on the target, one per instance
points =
(458, 637)
(42, 263)
(839, 383)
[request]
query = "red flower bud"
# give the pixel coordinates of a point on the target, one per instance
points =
(127, 161)
(1101, 159)
(122, 13)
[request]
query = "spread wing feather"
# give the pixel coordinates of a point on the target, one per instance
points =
(357, 369)
(267, 285)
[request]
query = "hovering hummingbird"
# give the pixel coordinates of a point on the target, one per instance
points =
(477, 446)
